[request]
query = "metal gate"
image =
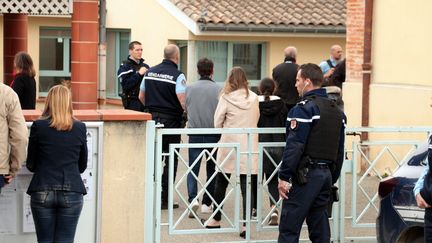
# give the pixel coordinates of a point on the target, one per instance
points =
(366, 163)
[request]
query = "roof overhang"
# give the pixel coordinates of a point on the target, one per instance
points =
(205, 29)
(37, 7)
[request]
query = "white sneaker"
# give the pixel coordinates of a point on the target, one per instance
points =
(194, 207)
(207, 209)
(273, 219)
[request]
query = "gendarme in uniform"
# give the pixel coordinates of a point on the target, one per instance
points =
(162, 86)
(130, 80)
(314, 149)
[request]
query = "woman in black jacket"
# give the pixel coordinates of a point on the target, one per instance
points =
(24, 83)
(273, 113)
(57, 154)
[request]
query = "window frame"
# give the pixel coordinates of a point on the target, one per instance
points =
(230, 57)
(66, 72)
(118, 60)
(263, 71)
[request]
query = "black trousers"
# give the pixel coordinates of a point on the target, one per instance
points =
(169, 122)
(220, 190)
(428, 225)
(308, 201)
(268, 169)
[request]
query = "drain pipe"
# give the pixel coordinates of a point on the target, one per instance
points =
(102, 52)
(367, 66)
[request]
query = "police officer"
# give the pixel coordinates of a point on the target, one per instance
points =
(130, 74)
(312, 159)
(162, 91)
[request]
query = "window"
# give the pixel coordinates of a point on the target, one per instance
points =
(183, 62)
(225, 55)
(117, 51)
(54, 65)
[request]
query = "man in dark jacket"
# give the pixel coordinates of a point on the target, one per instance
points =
(285, 76)
(312, 159)
(162, 91)
(130, 74)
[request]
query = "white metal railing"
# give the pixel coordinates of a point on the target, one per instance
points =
(357, 152)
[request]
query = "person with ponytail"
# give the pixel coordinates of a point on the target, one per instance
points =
(273, 113)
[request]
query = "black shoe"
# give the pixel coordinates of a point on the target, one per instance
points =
(164, 205)
(243, 234)
(210, 226)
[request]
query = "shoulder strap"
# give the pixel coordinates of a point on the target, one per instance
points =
(330, 63)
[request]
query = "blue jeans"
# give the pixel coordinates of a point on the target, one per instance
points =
(55, 215)
(210, 167)
(2, 182)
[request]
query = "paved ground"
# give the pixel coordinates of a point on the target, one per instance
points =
(370, 186)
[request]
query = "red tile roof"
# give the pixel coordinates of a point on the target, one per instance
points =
(279, 13)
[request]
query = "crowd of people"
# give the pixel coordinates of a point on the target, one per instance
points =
(306, 99)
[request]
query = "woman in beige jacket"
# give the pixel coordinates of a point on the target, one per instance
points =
(238, 107)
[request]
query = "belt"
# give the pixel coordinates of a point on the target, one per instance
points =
(318, 165)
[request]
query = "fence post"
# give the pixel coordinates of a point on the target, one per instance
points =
(149, 209)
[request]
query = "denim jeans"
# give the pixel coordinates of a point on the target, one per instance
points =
(210, 167)
(55, 215)
(2, 182)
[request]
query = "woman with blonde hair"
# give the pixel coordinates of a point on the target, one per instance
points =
(24, 83)
(237, 108)
(57, 154)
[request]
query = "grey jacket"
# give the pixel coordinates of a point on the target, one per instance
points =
(201, 102)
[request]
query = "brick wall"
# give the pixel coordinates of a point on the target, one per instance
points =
(355, 39)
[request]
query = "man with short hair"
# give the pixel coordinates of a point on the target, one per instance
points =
(162, 92)
(130, 74)
(330, 68)
(202, 98)
(312, 159)
(13, 135)
(284, 75)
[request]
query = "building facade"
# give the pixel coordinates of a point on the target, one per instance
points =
(254, 39)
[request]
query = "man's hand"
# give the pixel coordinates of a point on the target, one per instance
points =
(329, 73)
(284, 187)
(421, 203)
(142, 70)
(8, 178)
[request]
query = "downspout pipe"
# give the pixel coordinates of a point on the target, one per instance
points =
(367, 66)
(102, 51)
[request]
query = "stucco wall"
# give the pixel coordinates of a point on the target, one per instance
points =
(123, 182)
(150, 24)
(401, 88)
(401, 49)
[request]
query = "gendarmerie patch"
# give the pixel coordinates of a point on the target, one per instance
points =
(293, 124)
